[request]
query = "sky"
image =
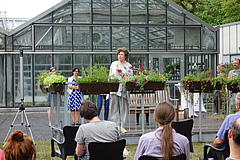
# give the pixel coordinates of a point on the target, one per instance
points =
(25, 8)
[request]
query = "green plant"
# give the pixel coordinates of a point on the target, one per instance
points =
(53, 78)
(96, 73)
(143, 76)
(41, 78)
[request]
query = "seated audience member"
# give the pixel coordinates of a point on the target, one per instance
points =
(19, 147)
(165, 141)
(234, 140)
(95, 130)
(2, 155)
(226, 125)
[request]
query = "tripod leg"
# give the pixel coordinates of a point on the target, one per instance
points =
(11, 126)
(28, 125)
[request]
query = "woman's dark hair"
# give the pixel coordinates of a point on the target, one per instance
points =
(88, 110)
(19, 146)
(74, 69)
(164, 114)
(126, 52)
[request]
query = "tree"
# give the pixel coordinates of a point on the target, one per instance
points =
(231, 9)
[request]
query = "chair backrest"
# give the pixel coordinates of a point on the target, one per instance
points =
(179, 157)
(226, 151)
(184, 127)
(107, 151)
(69, 133)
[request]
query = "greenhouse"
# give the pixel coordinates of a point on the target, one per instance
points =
(76, 33)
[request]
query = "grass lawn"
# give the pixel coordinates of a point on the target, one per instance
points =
(44, 150)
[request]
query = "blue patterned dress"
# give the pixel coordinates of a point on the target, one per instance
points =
(74, 98)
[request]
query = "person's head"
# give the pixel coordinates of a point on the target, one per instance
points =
(164, 115)
(75, 71)
(20, 147)
(88, 110)
(235, 132)
(220, 68)
(237, 101)
(236, 62)
(53, 70)
(124, 51)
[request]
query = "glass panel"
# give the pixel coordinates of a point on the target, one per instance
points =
(2, 41)
(63, 63)
(23, 39)
(42, 63)
(3, 82)
(138, 11)
(9, 43)
(192, 38)
(101, 38)
(172, 66)
(120, 11)
(156, 11)
(156, 63)
(62, 38)
(120, 37)
(189, 20)
(138, 38)
(136, 59)
(102, 59)
(174, 16)
(45, 19)
(81, 38)
(175, 38)
(81, 11)
(43, 37)
(63, 14)
(27, 73)
(82, 60)
(208, 39)
(101, 11)
(157, 38)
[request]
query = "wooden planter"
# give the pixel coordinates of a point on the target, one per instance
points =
(148, 88)
(233, 87)
(200, 86)
(98, 88)
(43, 89)
(56, 87)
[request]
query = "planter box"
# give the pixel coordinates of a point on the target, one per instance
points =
(98, 88)
(56, 87)
(148, 88)
(43, 89)
(233, 87)
(200, 86)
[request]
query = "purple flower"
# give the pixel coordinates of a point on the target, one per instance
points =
(135, 80)
(141, 69)
(173, 74)
(171, 71)
(152, 65)
(163, 72)
(149, 69)
(161, 65)
(145, 74)
(132, 67)
(145, 80)
(140, 64)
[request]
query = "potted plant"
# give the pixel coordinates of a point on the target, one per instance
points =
(96, 80)
(54, 82)
(41, 78)
(145, 80)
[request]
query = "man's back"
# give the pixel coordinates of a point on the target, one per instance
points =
(97, 131)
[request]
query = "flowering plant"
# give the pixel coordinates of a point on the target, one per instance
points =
(53, 78)
(41, 78)
(143, 75)
(96, 73)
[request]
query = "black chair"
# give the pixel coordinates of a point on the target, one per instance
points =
(66, 148)
(184, 127)
(221, 154)
(179, 157)
(106, 151)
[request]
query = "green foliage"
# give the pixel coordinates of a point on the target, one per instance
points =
(231, 10)
(144, 75)
(53, 78)
(41, 78)
(96, 73)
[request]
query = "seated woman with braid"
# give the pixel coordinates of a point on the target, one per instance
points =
(19, 147)
(164, 142)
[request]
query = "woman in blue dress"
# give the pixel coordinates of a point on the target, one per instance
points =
(74, 97)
